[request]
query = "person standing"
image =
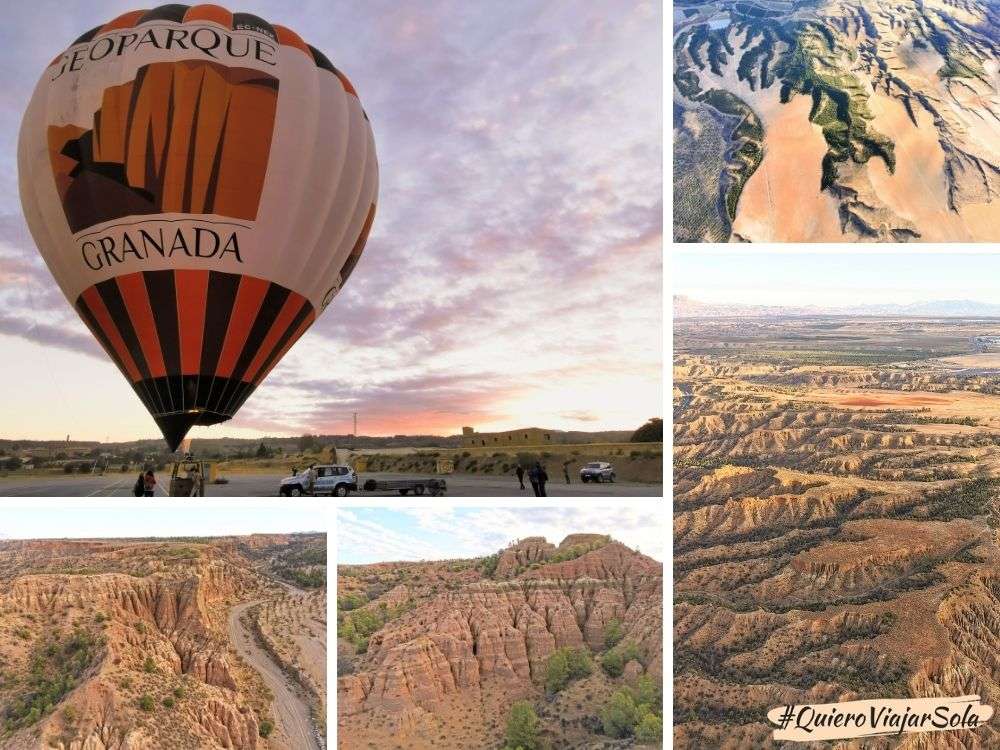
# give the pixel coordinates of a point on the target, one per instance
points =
(566, 472)
(533, 478)
(148, 483)
(195, 476)
(520, 475)
(542, 479)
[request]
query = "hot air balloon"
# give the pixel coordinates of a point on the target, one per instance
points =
(201, 184)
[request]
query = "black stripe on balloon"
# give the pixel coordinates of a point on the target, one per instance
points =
(251, 22)
(222, 289)
(321, 60)
(172, 12)
(123, 322)
(289, 332)
(87, 36)
(273, 301)
(244, 392)
(88, 317)
(163, 303)
(144, 394)
(119, 316)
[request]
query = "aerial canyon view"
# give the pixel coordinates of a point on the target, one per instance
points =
(835, 513)
(536, 645)
(836, 120)
(122, 644)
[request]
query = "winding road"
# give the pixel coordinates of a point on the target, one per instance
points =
(291, 711)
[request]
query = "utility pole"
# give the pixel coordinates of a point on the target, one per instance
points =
(355, 425)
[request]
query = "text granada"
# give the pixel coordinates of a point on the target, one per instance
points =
(141, 244)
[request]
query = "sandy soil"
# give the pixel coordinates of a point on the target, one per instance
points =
(982, 406)
(781, 201)
(895, 538)
(918, 190)
(985, 360)
(901, 399)
(293, 727)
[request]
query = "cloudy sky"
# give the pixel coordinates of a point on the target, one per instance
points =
(97, 522)
(513, 276)
(366, 535)
(837, 279)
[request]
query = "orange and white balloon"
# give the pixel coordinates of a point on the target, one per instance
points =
(201, 184)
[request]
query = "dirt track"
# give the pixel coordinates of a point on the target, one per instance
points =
(291, 712)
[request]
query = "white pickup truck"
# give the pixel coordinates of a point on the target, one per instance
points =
(328, 479)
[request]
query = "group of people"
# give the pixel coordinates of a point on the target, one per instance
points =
(538, 477)
(145, 485)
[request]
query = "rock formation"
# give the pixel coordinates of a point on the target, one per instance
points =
(489, 641)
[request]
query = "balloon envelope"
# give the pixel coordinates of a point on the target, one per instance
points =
(201, 184)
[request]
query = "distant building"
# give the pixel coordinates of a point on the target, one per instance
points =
(524, 436)
(36, 452)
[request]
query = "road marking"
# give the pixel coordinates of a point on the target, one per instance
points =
(113, 485)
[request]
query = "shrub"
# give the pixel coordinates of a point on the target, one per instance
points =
(564, 665)
(179, 692)
(146, 702)
(56, 666)
(168, 702)
(612, 663)
(265, 728)
(620, 715)
(347, 602)
(651, 432)
(649, 729)
(522, 727)
(488, 565)
(629, 652)
(149, 665)
(613, 634)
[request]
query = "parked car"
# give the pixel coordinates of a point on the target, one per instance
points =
(329, 479)
(597, 471)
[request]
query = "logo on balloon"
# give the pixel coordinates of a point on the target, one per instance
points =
(189, 137)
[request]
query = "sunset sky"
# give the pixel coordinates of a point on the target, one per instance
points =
(513, 277)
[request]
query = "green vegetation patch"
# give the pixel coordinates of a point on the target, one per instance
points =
(565, 665)
(635, 711)
(577, 550)
(488, 565)
(839, 101)
(523, 728)
(55, 667)
(358, 625)
(614, 660)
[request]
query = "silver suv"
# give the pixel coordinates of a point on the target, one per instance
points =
(597, 471)
(329, 479)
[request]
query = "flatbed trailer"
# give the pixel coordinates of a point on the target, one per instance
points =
(432, 487)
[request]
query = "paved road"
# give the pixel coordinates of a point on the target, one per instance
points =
(291, 712)
(266, 485)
